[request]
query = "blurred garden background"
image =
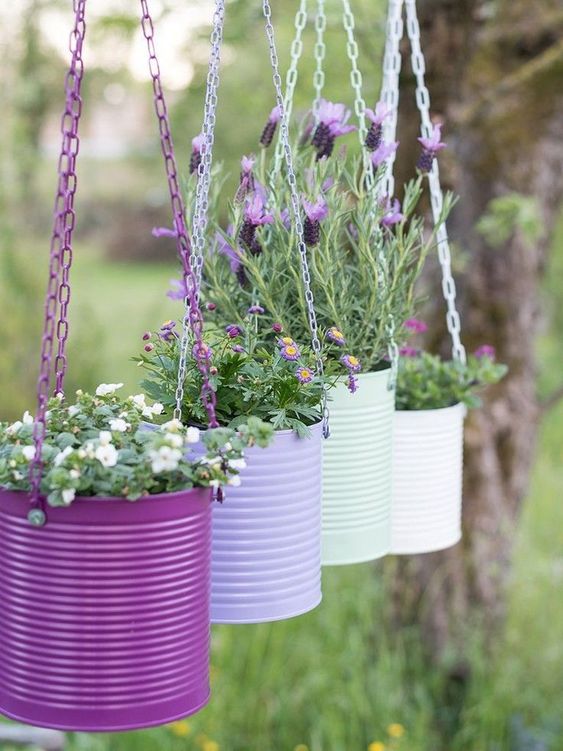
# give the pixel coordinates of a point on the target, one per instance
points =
(355, 674)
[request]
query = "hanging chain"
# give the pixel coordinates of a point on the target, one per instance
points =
(296, 209)
(355, 74)
(292, 74)
(320, 54)
(453, 321)
(390, 87)
(201, 209)
(182, 242)
(60, 260)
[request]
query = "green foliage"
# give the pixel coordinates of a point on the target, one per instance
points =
(249, 375)
(97, 447)
(508, 214)
(426, 381)
(363, 274)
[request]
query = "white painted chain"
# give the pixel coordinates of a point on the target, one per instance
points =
(295, 206)
(292, 74)
(320, 54)
(355, 74)
(453, 321)
(202, 191)
(390, 88)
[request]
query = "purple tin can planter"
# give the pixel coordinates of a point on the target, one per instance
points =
(266, 553)
(104, 616)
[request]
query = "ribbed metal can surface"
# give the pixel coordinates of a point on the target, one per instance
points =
(357, 472)
(427, 480)
(104, 616)
(266, 557)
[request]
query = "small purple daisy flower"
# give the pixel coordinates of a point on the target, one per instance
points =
(430, 147)
(211, 306)
(238, 349)
(277, 328)
(233, 330)
(336, 336)
(195, 159)
(290, 352)
(485, 350)
(149, 347)
(270, 128)
(146, 336)
(375, 133)
(351, 363)
(304, 375)
(416, 325)
(256, 310)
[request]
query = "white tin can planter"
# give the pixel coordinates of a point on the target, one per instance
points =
(427, 479)
(357, 472)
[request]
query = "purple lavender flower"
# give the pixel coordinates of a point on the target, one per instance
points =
(351, 363)
(238, 349)
(211, 306)
(146, 336)
(178, 291)
(314, 214)
(392, 213)
(247, 181)
(203, 353)
(430, 147)
(195, 159)
(168, 325)
(383, 152)
(336, 336)
(416, 325)
(149, 347)
(285, 217)
(163, 232)
(277, 328)
(255, 215)
(167, 332)
(375, 133)
(333, 119)
(310, 180)
(256, 310)
(270, 128)
(233, 254)
(304, 375)
(409, 352)
(485, 350)
(290, 352)
(352, 384)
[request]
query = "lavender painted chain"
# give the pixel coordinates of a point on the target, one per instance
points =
(60, 259)
(193, 315)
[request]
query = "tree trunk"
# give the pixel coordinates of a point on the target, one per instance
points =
(495, 80)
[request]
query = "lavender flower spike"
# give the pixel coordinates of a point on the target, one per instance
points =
(270, 128)
(392, 213)
(178, 291)
(163, 232)
(314, 214)
(247, 182)
(375, 133)
(195, 159)
(383, 152)
(430, 147)
(333, 119)
(255, 215)
(227, 250)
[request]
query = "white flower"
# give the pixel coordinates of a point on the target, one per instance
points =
(214, 484)
(82, 454)
(87, 451)
(62, 455)
(104, 437)
(237, 464)
(106, 455)
(173, 426)
(119, 425)
(59, 395)
(139, 401)
(27, 418)
(107, 388)
(192, 435)
(234, 481)
(14, 427)
(174, 440)
(74, 473)
(213, 462)
(157, 408)
(28, 452)
(18, 475)
(73, 410)
(68, 495)
(123, 414)
(165, 459)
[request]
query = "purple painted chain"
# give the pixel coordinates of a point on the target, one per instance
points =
(194, 318)
(60, 260)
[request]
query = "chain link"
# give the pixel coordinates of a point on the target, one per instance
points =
(292, 74)
(195, 320)
(295, 206)
(60, 257)
(320, 54)
(390, 87)
(436, 197)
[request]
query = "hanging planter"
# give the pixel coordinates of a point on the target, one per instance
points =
(357, 472)
(427, 479)
(266, 559)
(104, 624)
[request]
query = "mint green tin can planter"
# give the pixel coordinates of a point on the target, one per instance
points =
(357, 480)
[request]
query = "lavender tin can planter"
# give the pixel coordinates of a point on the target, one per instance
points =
(266, 553)
(357, 472)
(427, 480)
(104, 617)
